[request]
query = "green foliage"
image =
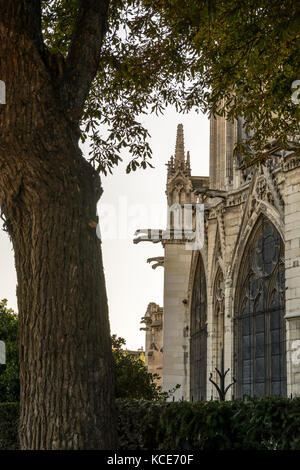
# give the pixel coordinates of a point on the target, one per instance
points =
(246, 54)
(257, 424)
(265, 424)
(131, 375)
(9, 421)
(58, 23)
(217, 56)
(9, 374)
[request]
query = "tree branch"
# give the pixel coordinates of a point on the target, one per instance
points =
(84, 54)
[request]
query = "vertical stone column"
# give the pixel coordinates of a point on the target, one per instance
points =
(175, 331)
(211, 343)
(292, 266)
(228, 336)
(213, 152)
(233, 220)
(220, 148)
(221, 153)
(230, 129)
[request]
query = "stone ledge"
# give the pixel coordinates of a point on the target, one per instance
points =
(291, 315)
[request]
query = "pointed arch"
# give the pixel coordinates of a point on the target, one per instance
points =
(198, 334)
(261, 210)
(259, 314)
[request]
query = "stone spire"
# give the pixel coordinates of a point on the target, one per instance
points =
(179, 149)
(179, 162)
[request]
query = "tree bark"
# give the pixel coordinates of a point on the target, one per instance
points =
(48, 194)
(65, 351)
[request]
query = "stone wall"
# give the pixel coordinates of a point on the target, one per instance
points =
(292, 264)
(175, 334)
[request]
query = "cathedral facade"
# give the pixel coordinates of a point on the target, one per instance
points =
(236, 296)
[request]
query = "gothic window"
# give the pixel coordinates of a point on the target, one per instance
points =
(198, 338)
(219, 309)
(260, 308)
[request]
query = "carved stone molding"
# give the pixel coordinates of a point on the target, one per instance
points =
(291, 164)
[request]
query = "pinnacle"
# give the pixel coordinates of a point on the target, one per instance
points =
(188, 159)
(179, 149)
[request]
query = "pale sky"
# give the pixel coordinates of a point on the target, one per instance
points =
(130, 202)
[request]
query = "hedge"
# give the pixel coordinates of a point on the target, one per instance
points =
(256, 424)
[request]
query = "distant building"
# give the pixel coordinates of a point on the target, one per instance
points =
(153, 321)
(139, 354)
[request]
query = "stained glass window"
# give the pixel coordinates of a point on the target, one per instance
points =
(260, 308)
(198, 338)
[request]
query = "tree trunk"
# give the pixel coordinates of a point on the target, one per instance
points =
(65, 350)
(48, 194)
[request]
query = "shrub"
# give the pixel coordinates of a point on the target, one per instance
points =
(9, 419)
(9, 375)
(133, 381)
